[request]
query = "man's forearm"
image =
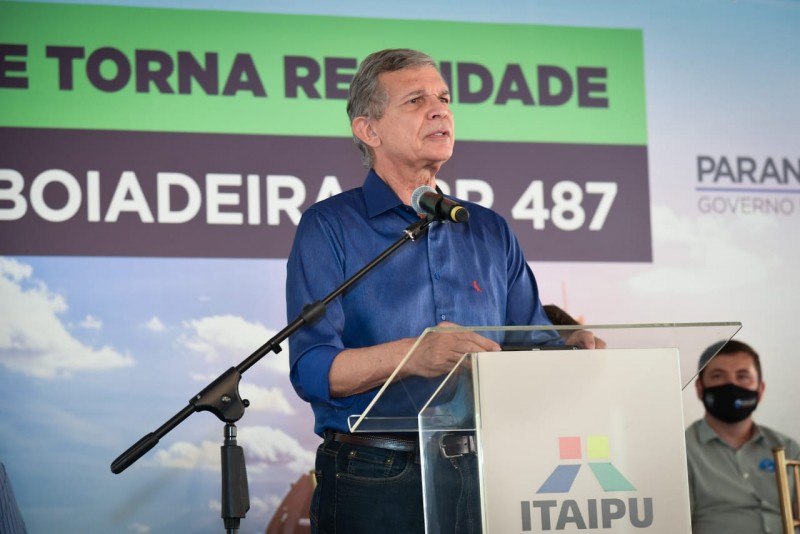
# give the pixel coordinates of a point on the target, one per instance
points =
(358, 370)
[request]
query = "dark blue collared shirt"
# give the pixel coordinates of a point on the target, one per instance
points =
(471, 274)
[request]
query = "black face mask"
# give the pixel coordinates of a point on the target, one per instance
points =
(729, 402)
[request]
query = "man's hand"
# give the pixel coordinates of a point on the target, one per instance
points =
(585, 339)
(440, 351)
(357, 370)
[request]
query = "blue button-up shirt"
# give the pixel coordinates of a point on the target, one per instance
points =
(472, 274)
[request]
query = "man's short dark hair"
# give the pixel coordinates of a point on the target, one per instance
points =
(367, 98)
(722, 348)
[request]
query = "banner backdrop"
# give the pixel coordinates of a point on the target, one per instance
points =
(155, 159)
(554, 134)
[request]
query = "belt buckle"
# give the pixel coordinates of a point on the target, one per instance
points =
(464, 445)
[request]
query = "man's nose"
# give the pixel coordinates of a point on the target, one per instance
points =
(438, 110)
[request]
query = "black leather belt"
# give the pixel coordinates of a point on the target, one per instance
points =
(455, 445)
(391, 442)
(450, 445)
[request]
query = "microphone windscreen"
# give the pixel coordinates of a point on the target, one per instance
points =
(416, 196)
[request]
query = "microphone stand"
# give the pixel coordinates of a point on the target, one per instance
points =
(221, 397)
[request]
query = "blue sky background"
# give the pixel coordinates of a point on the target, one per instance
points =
(105, 359)
(96, 352)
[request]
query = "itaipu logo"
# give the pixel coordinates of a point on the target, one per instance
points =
(603, 512)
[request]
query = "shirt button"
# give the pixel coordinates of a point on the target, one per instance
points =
(444, 317)
(746, 475)
(436, 276)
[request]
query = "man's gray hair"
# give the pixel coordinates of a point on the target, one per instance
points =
(367, 98)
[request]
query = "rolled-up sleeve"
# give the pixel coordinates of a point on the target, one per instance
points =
(314, 270)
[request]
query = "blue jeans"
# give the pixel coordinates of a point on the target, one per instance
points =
(368, 490)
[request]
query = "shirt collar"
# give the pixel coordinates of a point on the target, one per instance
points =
(706, 434)
(379, 197)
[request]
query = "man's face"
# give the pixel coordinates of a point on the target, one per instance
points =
(737, 368)
(416, 129)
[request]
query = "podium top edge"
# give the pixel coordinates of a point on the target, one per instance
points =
(617, 326)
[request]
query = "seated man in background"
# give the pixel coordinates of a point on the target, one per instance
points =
(731, 472)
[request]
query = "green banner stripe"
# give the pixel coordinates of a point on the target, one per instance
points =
(82, 85)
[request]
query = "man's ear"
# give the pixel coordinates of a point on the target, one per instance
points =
(362, 128)
(698, 386)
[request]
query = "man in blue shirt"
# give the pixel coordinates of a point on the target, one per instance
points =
(471, 274)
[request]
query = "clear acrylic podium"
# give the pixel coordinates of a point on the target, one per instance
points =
(566, 440)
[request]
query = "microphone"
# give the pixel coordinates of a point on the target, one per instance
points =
(426, 200)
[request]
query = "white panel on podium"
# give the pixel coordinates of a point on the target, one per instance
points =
(572, 441)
